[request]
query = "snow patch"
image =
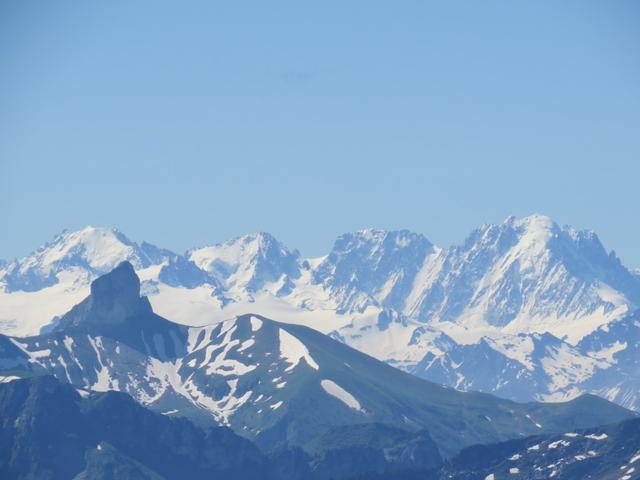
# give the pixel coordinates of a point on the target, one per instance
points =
(256, 324)
(8, 378)
(341, 394)
(292, 350)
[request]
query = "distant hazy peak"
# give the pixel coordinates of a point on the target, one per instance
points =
(247, 262)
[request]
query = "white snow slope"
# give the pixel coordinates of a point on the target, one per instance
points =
(543, 306)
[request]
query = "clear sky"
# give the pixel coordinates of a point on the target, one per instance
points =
(186, 123)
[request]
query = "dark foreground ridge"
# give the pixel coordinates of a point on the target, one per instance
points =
(49, 429)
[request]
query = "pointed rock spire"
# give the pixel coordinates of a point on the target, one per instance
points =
(114, 297)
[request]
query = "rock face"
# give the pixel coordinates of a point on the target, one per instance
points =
(113, 300)
(116, 310)
(278, 384)
(543, 306)
(373, 267)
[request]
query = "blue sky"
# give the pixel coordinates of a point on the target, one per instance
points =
(186, 123)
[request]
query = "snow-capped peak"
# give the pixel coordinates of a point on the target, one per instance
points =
(373, 266)
(534, 221)
(536, 229)
(102, 248)
(247, 262)
(374, 238)
(392, 294)
(529, 275)
(94, 249)
(530, 234)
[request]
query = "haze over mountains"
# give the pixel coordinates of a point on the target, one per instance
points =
(545, 308)
(277, 384)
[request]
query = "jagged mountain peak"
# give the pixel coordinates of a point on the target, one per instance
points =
(373, 236)
(115, 298)
(529, 233)
(252, 243)
(247, 262)
(530, 270)
(121, 285)
(116, 310)
(534, 227)
(98, 246)
(95, 250)
(539, 232)
(543, 226)
(536, 221)
(372, 267)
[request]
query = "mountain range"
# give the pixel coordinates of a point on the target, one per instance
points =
(546, 310)
(298, 403)
(278, 384)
